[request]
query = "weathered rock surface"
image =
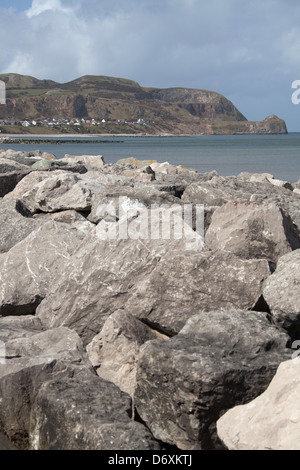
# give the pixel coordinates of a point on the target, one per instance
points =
(29, 182)
(19, 327)
(52, 400)
(110, 200)
(30, 361)
(173, 327)
(61, 192)
(70, 217)
(220, 190)
(24, 158)
(101, 276)
(31, 266)
(11, 173)
(14, 226)
(272, 420)
(217, 361)
(114, 351)
(81, 411)
(185, 284)
(252, 230)
(90, 162)
(282, 294)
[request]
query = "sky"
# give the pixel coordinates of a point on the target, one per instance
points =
(249, 51)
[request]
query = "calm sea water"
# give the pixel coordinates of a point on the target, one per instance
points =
(229, 155)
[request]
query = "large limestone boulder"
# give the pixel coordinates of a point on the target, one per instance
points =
(282, 294)
(217, 361)
(29, 182)
(19, 327)
(114, 351)
(252, 230)
(51, 398)
(110, 201)
(91, 162)
(14, 226)
(269, 422)
(73, 218)
(24, 158)
(104, 272)
(187, 283)
(61, 192)
(80, 411)
(220, 190)
(29, 269)
(11, 173)
(30, 361)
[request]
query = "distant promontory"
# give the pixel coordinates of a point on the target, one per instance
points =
(108, 105)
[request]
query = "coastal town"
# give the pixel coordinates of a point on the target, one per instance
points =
(65, 123)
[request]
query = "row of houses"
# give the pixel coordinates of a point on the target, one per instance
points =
(60, 122)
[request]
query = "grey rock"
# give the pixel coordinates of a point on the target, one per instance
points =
(24, 158)
(29, 269)
(30, 361)
(91, 162)
(217, 361)
(220, 190)
(29, 182)
(252, 230)
(112, 197)
(61, 192)
(114, 351)
(265, 178)
(185, 284)
(130, 163)
(10, 166)
(84, 412)
(19, 327)
(38, 347)
(43, 164)
(71, 217)
(51, 398)
(14, 227)
(271, 421)
(10, 175)
(282, 294)
(101, 276)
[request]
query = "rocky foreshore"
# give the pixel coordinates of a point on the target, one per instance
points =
(116, 334)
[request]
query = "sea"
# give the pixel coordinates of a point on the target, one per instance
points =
(229, 155)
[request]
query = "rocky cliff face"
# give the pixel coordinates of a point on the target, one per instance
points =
(173, 110)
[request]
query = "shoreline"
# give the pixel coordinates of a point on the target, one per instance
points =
(88, 136)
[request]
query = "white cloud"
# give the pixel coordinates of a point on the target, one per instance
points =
(40, 6)
(237, 48)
